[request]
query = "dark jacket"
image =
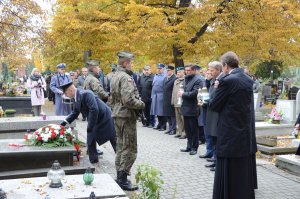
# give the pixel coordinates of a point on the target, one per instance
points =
(212, 117)
(145, 87)
(236, 126)
(168, 108)
(298, 120)
(100, 124)
(189, 97)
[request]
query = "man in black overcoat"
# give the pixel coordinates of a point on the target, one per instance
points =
(168, 108)
(235, 176)
(145, 88)
(100, 126)
(189, 109)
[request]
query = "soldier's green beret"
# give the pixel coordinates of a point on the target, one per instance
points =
(93, 63)
(125, 54)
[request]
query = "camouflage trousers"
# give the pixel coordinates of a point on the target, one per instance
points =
(126, 143)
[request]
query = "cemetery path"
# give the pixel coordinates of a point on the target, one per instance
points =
(185, 176)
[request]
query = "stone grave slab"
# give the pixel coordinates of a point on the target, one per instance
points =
(22, 104)
(103, 186)
(271, 140)
(276, 150)
(296, 142)
(15, 127)
(32, 157)
(268, 129)
(289, 162)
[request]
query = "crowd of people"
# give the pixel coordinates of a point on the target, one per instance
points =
(214, 106)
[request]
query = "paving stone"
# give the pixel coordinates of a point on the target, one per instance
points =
(180, 169)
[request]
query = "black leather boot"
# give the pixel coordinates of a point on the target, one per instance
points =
(124, 183)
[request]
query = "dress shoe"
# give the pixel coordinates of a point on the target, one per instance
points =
(145, 125)
(172, 133)
(98, 152)
(182, 137)
(213, 169)
(157, 127)
(193, 152)
(84, 119)
(185, 150)
(210, 160)
(150, 126)
(94, 161)
(205, 156)
(177, 136)
(210, 165)
(161, 129)
(167, 132)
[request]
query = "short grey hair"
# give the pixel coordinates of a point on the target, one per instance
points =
(231, 59)
(216, 65)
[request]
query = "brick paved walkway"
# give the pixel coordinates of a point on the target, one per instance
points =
(185, 176)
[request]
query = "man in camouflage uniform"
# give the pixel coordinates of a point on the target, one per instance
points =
(125, 103)
(92, 81)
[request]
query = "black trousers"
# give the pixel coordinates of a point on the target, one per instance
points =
(161, 122)
(201, 134)
(192, 132)
(146, 110)
(92, 148)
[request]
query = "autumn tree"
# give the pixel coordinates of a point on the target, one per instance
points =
(20, 25)
(171, 31)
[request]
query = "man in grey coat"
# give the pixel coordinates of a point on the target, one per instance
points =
(212, 117)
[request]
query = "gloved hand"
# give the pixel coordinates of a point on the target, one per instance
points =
(64, 123)
(60, 92)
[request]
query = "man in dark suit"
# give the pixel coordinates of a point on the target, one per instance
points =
(189, 109)
(168, 108)
(145, 88)
(297, 127)
(100, 126)
(235, 176)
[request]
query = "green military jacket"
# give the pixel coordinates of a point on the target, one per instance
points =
(93, 84)
(124, 96)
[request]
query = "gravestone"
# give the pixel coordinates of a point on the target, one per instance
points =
(288, 107)
(103, 186)
(15, 127)
(258, 114)
(289, 162)
(18, 156)
(268, 129)
(22, 104)
(298, 103)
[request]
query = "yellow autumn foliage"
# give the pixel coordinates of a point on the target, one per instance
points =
(257, 30)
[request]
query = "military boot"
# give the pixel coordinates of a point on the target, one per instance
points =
(118, 177)
(124, 183)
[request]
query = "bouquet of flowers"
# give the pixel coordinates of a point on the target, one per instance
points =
(52, 135)
(275, 115)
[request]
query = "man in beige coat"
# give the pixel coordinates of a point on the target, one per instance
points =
(178, 84)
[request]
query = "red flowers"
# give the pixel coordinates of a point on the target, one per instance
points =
(39, 138)
(53, 135)
(61, 132)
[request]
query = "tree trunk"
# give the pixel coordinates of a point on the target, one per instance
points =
(177, 54)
